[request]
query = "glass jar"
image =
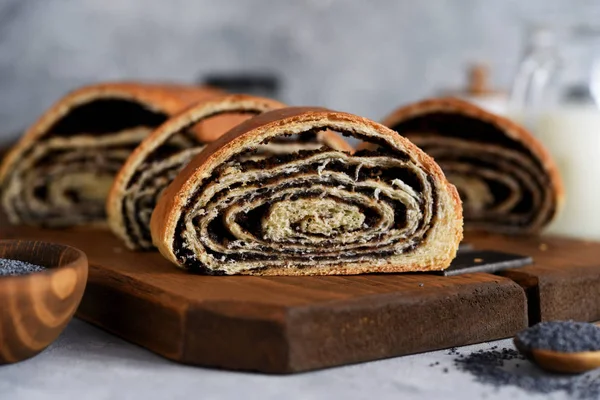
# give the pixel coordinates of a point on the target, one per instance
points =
(556, 94)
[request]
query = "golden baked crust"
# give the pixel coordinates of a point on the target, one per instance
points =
(159, 157)
(174, 229)
(18, 198)
(445, 146)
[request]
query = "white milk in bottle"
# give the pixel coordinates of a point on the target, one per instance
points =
(571, 134)
(557, 94)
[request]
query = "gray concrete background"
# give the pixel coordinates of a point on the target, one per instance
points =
(88, 364)
(364, 57)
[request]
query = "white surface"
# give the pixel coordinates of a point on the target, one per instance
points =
(87, 363)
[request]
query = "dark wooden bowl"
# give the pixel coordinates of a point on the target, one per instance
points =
(35, 308)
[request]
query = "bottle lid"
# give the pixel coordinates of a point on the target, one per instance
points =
(478, 84)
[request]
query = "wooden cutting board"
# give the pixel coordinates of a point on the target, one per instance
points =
(564, 282)
(291, 324)
(282, 324)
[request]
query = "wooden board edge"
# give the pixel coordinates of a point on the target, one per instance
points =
(530, 286)
(147, 320)
(232, 335)
(354, 336)
(283, 340)
(552, 297)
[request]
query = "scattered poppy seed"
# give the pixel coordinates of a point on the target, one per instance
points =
(494, 367)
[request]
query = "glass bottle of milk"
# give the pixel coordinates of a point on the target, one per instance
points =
(556, 94)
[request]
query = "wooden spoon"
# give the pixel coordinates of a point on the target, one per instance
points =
(566, 363)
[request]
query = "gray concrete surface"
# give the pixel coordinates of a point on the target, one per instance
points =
(359, 56)
(87, 363)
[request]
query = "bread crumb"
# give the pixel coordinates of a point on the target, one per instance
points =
(321, 167)
(543, 247)
(478, 260)
(356, 173)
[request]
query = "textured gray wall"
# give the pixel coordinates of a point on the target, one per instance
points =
(364, 57)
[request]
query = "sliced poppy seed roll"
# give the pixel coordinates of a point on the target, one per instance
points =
(313, 212)
(161, 156)
(506, 179)
(59, 173)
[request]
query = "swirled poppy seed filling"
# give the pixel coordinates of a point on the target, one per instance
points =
(72, 167)
(364, 192)
(500, 180)
(106, 116)
(162, 165)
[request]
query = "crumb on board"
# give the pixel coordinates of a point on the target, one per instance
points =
(543, 247)
(478, 260)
